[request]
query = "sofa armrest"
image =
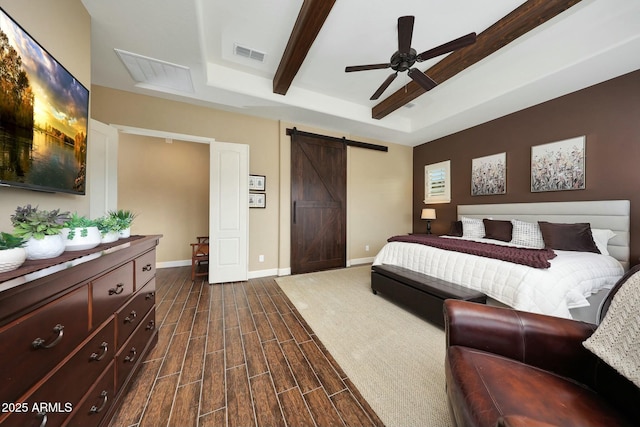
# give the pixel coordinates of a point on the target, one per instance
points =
(550, 343)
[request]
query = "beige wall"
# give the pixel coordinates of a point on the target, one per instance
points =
(379, 184)
(70, 44)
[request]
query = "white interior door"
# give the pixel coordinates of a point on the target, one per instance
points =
(229, 212)
(102, 171)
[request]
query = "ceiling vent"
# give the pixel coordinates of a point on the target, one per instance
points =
(248, 53)
(155, 72)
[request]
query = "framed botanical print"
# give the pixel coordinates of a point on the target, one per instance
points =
(257, 182)
(489, 175)
(558, 166)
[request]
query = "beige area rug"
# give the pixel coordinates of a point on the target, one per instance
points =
(394, 358)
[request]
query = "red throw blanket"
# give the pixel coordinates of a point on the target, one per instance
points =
(538, 258)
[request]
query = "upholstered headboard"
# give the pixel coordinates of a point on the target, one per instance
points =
(605, 214)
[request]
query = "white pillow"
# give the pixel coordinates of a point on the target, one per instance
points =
(602, 237)
(617, 339)
(472, 228)
(527, 234)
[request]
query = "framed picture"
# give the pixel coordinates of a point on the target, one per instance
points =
(558, 166)
(489, 175)
(257, 200)
(257, 182)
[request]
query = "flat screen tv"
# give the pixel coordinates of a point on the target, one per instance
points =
(44, 113)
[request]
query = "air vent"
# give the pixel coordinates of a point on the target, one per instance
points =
(248, 53)
(155, 72)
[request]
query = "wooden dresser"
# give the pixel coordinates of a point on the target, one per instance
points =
(73, 333)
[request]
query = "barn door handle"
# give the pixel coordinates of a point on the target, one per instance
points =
(294, 212)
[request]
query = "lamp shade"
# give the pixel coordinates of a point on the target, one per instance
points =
(428, 214)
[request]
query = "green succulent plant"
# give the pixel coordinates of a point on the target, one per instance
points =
(9, 241)
(123, 217)
(107, 223)
(33, 222)
(76, 221)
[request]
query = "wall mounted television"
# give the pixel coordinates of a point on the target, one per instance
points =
(44, 112)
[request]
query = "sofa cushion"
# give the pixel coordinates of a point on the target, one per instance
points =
(484, 387)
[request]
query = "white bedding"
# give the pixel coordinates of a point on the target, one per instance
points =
(572, 277)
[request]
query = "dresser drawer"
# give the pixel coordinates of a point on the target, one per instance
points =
(37, 342)
(145, 268)
(110, 291)
(130, 316)
(96, 403)
(65, 388)
(130, 353)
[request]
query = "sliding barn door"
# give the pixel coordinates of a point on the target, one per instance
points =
(318, 204)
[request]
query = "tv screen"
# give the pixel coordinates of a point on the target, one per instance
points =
(44, 113)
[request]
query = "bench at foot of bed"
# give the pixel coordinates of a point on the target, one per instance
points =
(421, 293)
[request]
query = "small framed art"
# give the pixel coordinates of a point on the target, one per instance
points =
(257, 200)
(257, 182)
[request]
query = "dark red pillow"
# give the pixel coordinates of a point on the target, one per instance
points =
(497, 230)
(456, 229)
(568, 237)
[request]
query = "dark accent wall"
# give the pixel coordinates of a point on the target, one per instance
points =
(608, 114)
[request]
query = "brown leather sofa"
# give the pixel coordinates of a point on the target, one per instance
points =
(504, 367)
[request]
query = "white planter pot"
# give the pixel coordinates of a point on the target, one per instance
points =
(10, 259)
(80, 242)
(49, 247)
(109, 237)
(123, 234)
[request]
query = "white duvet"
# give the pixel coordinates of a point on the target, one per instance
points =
(572, 277)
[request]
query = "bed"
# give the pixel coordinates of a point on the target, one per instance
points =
(571, 287)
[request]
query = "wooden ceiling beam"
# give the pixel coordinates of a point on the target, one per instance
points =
(312, 15)
(520, 21)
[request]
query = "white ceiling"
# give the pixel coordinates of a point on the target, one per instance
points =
(591, 42)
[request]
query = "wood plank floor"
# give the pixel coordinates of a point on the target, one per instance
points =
(237, 354)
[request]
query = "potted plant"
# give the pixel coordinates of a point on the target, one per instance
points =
(12, 253)
(125, 219)
(109, 228)
(41, 229)
(80, 233)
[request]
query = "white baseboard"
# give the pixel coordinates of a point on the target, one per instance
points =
(358, 261)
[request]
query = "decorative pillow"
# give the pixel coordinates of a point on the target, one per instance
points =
(527, 234)
(456, 229)
(602, 237)
(617, 339)
(472, 228)
(497, 230)
(568, 237)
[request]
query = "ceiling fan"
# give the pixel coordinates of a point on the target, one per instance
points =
(406, 57)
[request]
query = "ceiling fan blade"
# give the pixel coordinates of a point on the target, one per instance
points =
(447, 47)
(422, 79)
(366, 67)
(405, 33)
(383, 86)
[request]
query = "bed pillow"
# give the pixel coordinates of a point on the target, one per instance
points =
(472, 228)
(602, 237)
(568, 237)
(456, 229)
(527, 234)
(617, 339)
(497, 230)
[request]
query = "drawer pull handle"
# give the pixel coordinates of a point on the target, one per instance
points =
(104, 396)
(131, 317)
(117, 290)
(150, 295)
(40, 343)
(146, 267)
(150, 325)
(104, 347)
(132, 356)
(43, 415)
